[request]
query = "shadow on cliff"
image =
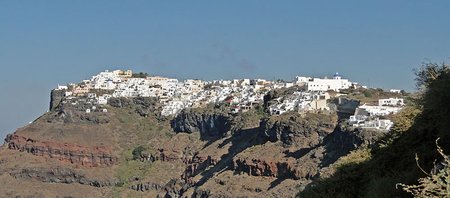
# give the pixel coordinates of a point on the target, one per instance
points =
(329, 157)
(300, 152)
(211, 139)
(378, 174)
(338, 144)
(403, 155)
(240, 141)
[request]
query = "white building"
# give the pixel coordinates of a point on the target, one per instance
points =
(300, 101)
(300, 80)
(61, 87)
(357, 119)
(240, 93)
(103, 99)
(379, 124)
(335, 84)
(378, 110)
(391, 102)
(68, 93)
(395, 91)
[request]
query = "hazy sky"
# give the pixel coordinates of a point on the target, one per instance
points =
(43, 43)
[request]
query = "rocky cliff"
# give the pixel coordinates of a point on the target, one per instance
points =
(209, 124)
(144, 106)
(303, 130)
(202, 152)
(258, 167)
(71, 153)
(60, 175)
(56, 97)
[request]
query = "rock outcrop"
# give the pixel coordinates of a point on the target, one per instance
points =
(56, 97)
(301, 130)
(144, 106)
(147, 186)
(60, 175)
(68, 115)
(257, 167)
(230, 147)
(209, 124)
(197, 165)
(71, 153)
(345, 139)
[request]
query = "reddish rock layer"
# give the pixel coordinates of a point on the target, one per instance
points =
(72, 153)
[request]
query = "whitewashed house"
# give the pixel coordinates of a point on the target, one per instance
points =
(61, 87)
(391, 102)
(377, 110)
(395, 91)
(379, 124)
(335, 84)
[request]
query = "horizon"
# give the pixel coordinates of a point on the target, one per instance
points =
(47, 43)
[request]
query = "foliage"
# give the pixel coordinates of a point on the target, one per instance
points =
(367, 93)
(260, 111)
(355, 157)
(434, 80)
(137, 152)
(429, 73)
(139, 75)
(403, 121)
(405, 118)
(434, 185)
(127, 171)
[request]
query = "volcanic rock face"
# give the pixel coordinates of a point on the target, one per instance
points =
(144, 106)
(292, 128)
(56, 97)
(71, 153)
(257, 167)
(60, 175)
(67, 115)
(208, 124)
(259, 156)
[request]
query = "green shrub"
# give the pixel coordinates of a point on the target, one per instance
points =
(367, 94)
(137, 152)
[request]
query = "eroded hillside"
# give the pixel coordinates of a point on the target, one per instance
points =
(129, 150)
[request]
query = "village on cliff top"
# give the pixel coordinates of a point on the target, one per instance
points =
(313, 94)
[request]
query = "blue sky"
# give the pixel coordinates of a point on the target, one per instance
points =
(43, 43)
